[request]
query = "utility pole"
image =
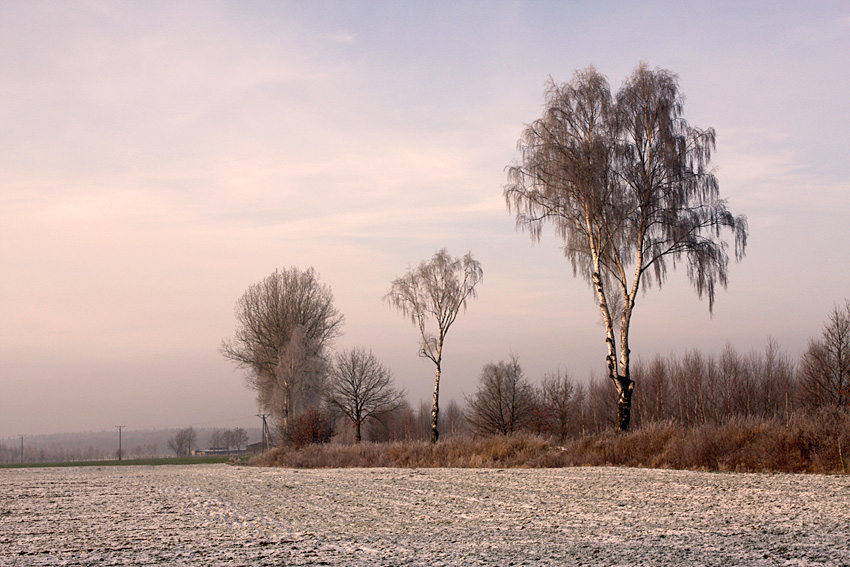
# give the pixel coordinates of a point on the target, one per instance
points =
(266, 439)
(22, 448)
(120, 452)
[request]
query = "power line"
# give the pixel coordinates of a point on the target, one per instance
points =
(266, 438)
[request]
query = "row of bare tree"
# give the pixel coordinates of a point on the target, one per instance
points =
(318, 389)
(628, 185)
(287, 322)
(623, 179)
(690, 389)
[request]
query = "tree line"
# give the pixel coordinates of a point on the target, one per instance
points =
(627, 184)
(287, 322)
(688, 389)
(104, 445)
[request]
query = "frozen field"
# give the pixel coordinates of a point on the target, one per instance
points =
(223, 515)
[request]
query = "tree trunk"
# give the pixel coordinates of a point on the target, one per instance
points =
(435, 411)
(357, 436)
(625, 387)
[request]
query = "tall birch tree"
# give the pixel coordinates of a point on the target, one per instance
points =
(434, 293)
(626, 182)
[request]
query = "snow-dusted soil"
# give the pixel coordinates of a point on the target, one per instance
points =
(226, 516)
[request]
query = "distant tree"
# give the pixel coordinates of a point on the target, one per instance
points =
(825, 366)
(437, 289)
(284, 325)
(238, 439)
(776, 375)
(217, 438)
(504, 401)
(453, 419)
(144, 451)
(361, 388)
(626, 183)
(228, 439)
(182, 441)
(399, 425)
(559, 404)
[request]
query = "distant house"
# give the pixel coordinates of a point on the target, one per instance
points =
(216, 451)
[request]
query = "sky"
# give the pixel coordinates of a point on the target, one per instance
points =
(158, 158)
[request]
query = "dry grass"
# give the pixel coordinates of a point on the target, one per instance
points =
(457, 452)
(810, 443)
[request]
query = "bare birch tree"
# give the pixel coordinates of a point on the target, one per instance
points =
(284, 324)
(437, 289)
(361, 388)
(626, 183)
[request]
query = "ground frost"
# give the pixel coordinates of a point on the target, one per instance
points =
(232, 516)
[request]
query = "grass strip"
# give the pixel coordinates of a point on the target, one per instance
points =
(133, 462)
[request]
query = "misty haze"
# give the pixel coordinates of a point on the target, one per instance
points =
(424, 284)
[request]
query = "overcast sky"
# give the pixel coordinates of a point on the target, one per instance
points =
(157, 158)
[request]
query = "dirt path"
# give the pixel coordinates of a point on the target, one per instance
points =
(222, 515)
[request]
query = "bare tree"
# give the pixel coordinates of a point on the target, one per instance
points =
(825, 366)
(182, 441)
(361, 388)
(626, 183)
(238, 438)
(228, 439)
(558, 397)
(504, 401)
(284, 325)
(437, 289)
(453, 420)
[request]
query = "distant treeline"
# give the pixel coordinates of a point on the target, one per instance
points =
(102, 445)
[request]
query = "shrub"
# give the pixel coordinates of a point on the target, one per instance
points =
(310, 428)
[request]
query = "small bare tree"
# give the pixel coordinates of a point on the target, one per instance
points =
(626, 183)
(437, 289)
(361, 388)
(284, 325)
(182, 441)
(504, 402)
(453, 420)
(557, 394)
(217, 438)
(825, 366)
(238, 438)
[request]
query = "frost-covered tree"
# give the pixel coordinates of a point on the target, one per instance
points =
(626, 183)
(284, 325)
(434, 293)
